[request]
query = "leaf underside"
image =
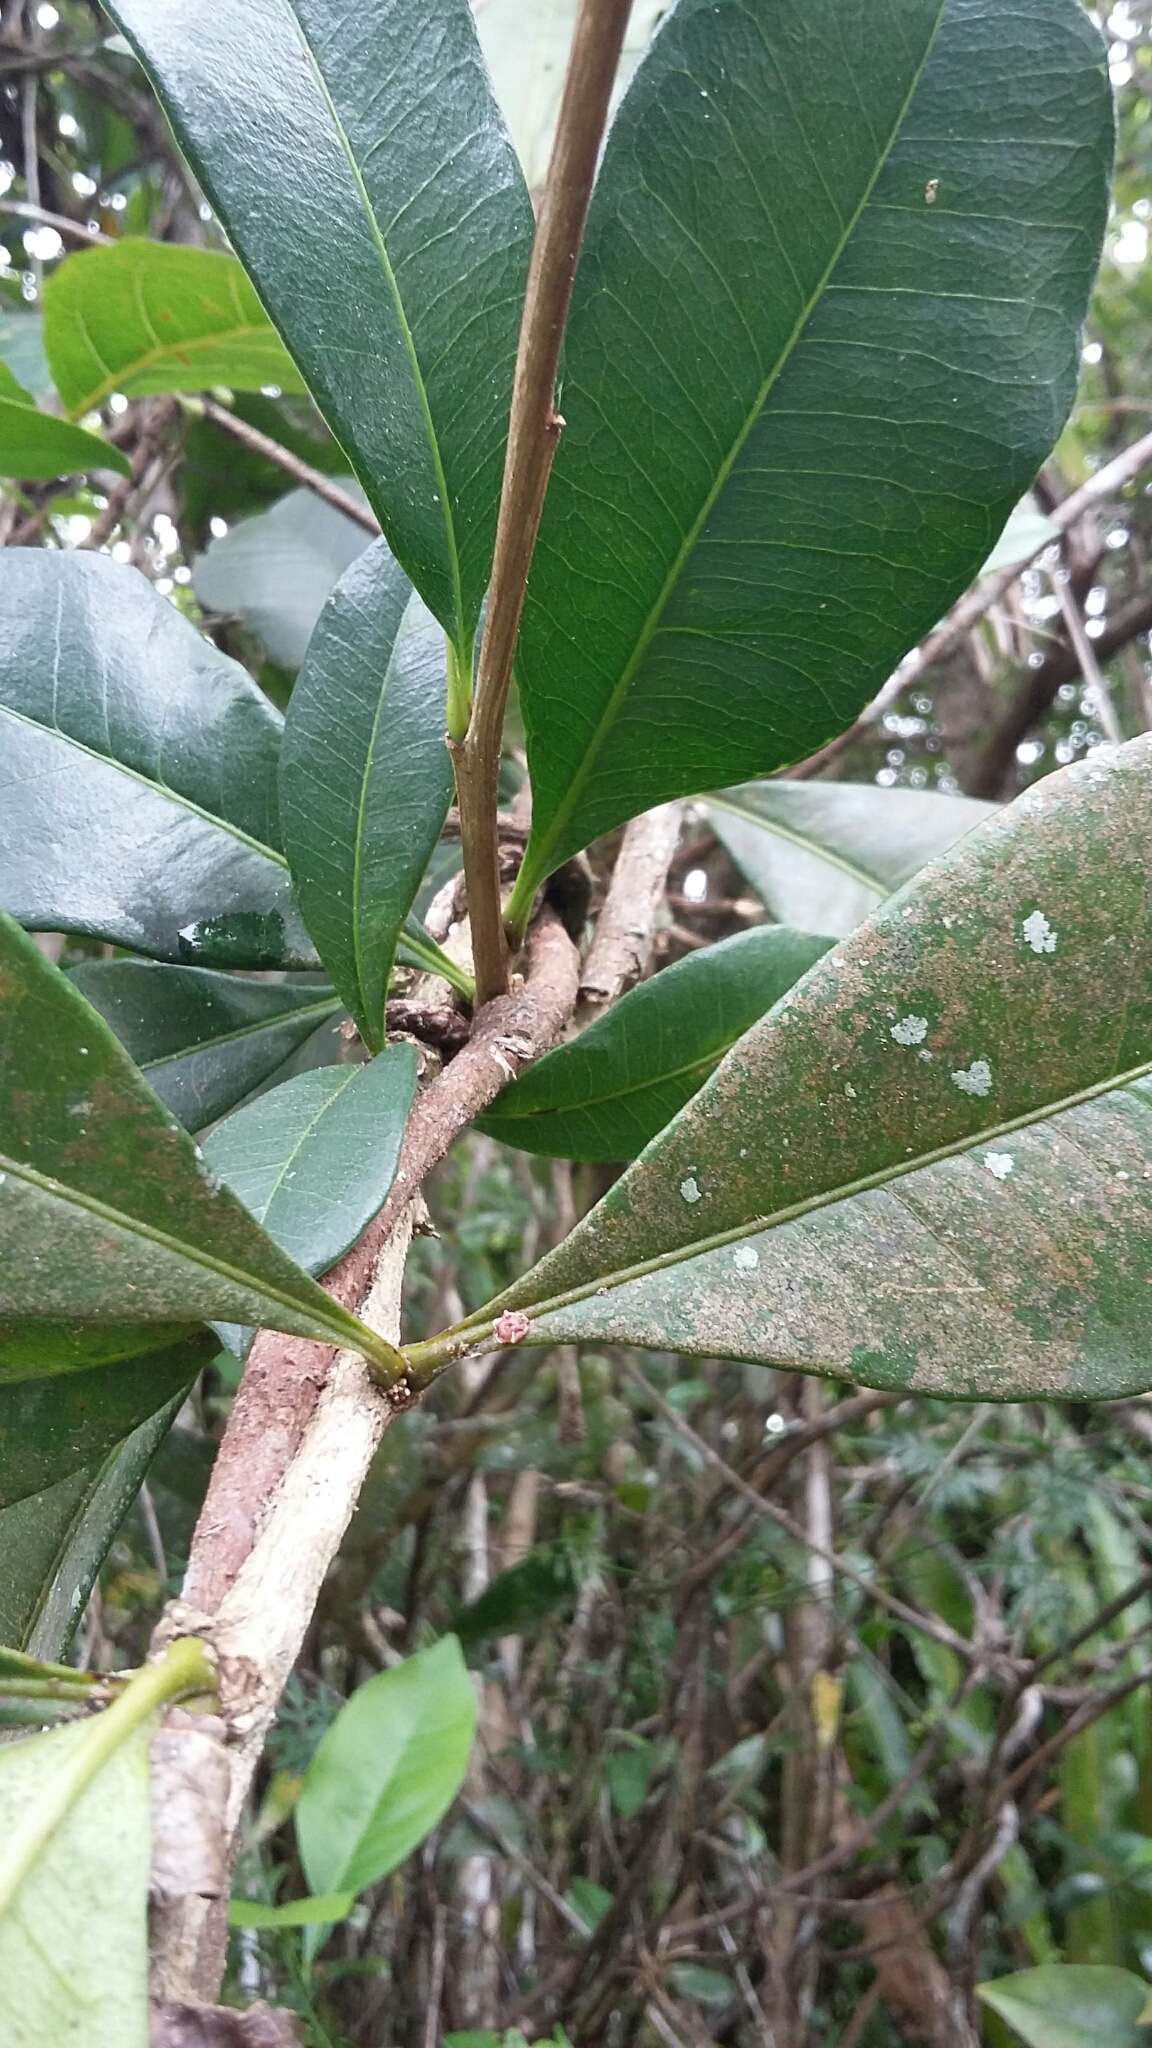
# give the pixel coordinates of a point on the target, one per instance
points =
(966, 1009)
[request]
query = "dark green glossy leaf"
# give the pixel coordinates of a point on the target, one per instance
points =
(365, 776)
(824, 330)
(44, 1349)
(1072, 2005)
(313, 1160)
(274, 572)
(608, 1092)
(137, 772)
(369, 130)
(773, 1219)
(824, 855)
(38, 444)
(153, 316)
(386, 1770)
(204, 1041)
(105, 1203)
(49, 1428)
(53, 1544)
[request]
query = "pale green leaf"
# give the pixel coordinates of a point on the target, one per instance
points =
(824, 855)
(140, 317)
(1069, 2005)
(386, 1770)
(275, 571)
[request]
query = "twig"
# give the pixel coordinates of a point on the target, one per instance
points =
(24, 210)
(301, 472)
(978, 601)
(303, 1431)
(619, 952)
(284, 1374)
(1090, 668)
(926, 1624)
(533, 430)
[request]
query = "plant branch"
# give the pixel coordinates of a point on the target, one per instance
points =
(303, 1432)
(977, 602)
(301, 472)
(533, 430)
(619, 951)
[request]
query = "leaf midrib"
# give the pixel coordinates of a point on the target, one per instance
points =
(757, 1226)
(814, 847)
(146, 782)
(305, 1013)
(406, 334)
(300, 1141)
(542, 1113)
(539, 866)
(119, 379)
(131, 1226)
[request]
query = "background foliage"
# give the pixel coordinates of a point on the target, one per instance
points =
(758, 1674)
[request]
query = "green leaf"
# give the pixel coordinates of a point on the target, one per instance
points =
(311, 1912)
(386, 1770)
(202, 1040)
(825, 328)
(74, 1870)
(105, 1203)
(609, 1091)
(365, 776)
(1028, 529)
(51, 1427)
(592, 1901)
(313, 1159)
(517, 1599)
(966, 1010)
(52, 1544)
(369, 131)
(74, 1940)
(824, 855)
(138, 787)
(629, 1772)
(47, 1348)
(141, 317)
(274, 572)
(37, 444)
(1071, 2006)
(22, 349)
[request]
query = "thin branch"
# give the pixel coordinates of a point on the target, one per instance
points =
(301, 472)
(24, 210)
(926, 1624)
(302, 1434)
(533, 431)
(619, 952)
(979, 600)
(1103, 707)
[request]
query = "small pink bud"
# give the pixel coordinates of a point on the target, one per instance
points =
(512, 1327)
